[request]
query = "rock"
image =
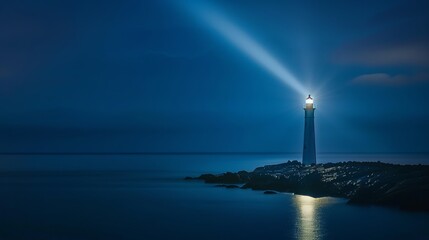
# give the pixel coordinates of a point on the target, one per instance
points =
(227, 186)
(402, 186)
(228, 178)
(270, 192)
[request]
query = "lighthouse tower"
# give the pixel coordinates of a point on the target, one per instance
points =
(309, 152)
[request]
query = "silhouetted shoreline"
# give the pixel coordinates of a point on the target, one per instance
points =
(402, 186)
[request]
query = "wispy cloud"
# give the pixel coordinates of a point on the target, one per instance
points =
(398, 36)
(392, 80)
(395, 50)
(379, 54)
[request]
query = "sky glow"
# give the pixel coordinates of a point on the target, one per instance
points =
(213, 76)
(245, 43)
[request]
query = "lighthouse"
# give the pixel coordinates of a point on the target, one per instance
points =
(309, 152)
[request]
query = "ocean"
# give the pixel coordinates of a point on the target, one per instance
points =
(132, 196)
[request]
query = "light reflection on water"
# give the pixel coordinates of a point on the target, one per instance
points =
(308, 217)
(144, 197)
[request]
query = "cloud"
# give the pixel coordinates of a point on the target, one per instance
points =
(398, 36)
(403, 11)
(386, 79)
(379, 54)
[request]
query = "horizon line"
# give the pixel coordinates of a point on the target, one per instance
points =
(192, 153)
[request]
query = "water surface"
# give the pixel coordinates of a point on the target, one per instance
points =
(144, 197)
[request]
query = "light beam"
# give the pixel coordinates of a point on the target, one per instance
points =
(242, 41)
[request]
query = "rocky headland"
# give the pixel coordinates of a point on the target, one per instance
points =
(402, 186)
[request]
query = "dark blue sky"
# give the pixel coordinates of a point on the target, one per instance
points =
(136, 76)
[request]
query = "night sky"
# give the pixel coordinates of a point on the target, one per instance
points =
(152, 76)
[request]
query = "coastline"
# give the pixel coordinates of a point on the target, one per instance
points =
(368, 183)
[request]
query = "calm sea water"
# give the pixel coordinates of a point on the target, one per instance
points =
(144, 197)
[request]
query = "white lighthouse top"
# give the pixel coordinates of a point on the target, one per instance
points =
(309, 100)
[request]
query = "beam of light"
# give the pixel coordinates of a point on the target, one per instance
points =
(246, 44)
